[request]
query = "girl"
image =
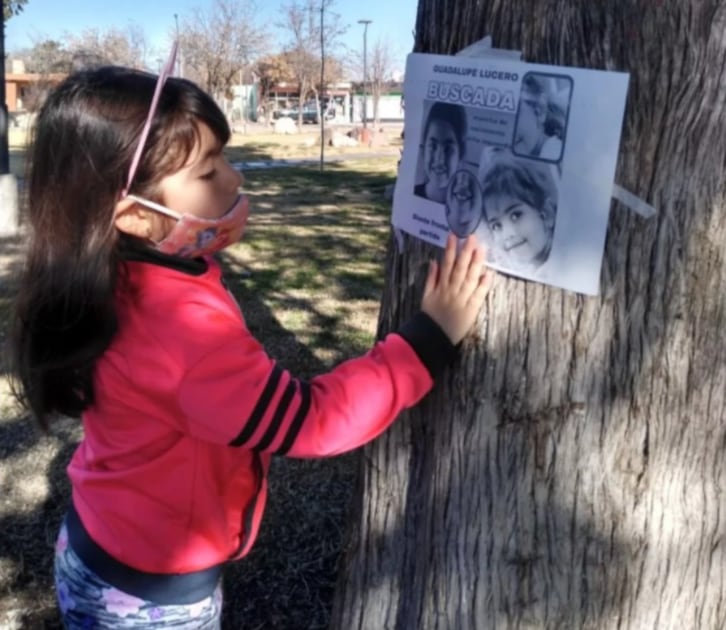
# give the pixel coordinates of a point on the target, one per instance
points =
(123, 320)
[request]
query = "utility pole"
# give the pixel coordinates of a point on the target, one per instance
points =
(8, 184)
(4, 153)
(365, 69)
(322, 85)
(179, 70)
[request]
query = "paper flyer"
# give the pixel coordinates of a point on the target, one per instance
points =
(523, 155)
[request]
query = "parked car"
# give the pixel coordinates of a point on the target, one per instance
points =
(309, 113)
(284, 112)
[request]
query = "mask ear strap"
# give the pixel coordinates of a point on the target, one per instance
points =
(155, 206)
(161, 80)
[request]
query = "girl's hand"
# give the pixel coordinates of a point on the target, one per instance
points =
(455, 289)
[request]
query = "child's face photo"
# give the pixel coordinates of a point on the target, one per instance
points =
(530, 123)
(518, 229)
(441, 153)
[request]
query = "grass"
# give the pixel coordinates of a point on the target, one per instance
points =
(308, 277)
(319, 265)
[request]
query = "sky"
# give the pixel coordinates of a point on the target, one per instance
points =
(392, 20)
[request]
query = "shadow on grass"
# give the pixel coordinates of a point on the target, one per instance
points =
(11, 249)
(287, 580)
(252, 152)
(29, 532)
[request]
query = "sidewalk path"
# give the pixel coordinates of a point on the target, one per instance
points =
(327, 159)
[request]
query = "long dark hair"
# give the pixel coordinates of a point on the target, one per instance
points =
(84, 140)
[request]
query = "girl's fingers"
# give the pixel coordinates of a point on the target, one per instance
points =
(447, 264)
(431, 278)
(476, 266)
(482, 288)
(463, 263)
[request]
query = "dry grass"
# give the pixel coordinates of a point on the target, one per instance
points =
(306, 143)
(308, 276)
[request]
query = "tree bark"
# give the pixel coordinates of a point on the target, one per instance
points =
(569, 470)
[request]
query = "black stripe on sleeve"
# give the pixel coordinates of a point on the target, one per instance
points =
(297, 421)
(279, 416)
(259, 411)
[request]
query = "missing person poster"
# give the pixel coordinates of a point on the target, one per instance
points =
(522, 155)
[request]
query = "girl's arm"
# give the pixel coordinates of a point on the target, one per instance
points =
(239, 388)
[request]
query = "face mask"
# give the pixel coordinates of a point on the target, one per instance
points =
(192, 236)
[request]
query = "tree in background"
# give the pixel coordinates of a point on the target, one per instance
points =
(46, 56)
(380, 71)
(306, 42)
(272, 70)
(12, 7)
(93, 47)
(220, 41)
(569, 471)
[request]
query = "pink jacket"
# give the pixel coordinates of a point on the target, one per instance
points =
(170, 475)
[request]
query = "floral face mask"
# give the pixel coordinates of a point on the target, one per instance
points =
(193, 236)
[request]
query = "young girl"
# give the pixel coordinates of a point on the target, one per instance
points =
(181, 406)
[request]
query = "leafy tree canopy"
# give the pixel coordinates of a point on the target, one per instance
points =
(12, 7)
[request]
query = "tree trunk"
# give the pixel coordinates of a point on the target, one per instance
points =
(376, 94)
(301, 100)
(569, 470)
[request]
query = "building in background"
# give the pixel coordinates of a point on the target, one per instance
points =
(25, 91)
(388, 109)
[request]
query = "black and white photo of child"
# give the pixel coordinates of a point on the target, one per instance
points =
(519, 208)
(463, 204)
(539, 131)
(442, 148)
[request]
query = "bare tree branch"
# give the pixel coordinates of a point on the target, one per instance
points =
(380, 69)
(305, 42)
(221, 40)
(93, 46)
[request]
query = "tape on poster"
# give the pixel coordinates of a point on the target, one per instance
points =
(636, 204)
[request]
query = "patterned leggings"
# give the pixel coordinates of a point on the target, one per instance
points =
(87, 602)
